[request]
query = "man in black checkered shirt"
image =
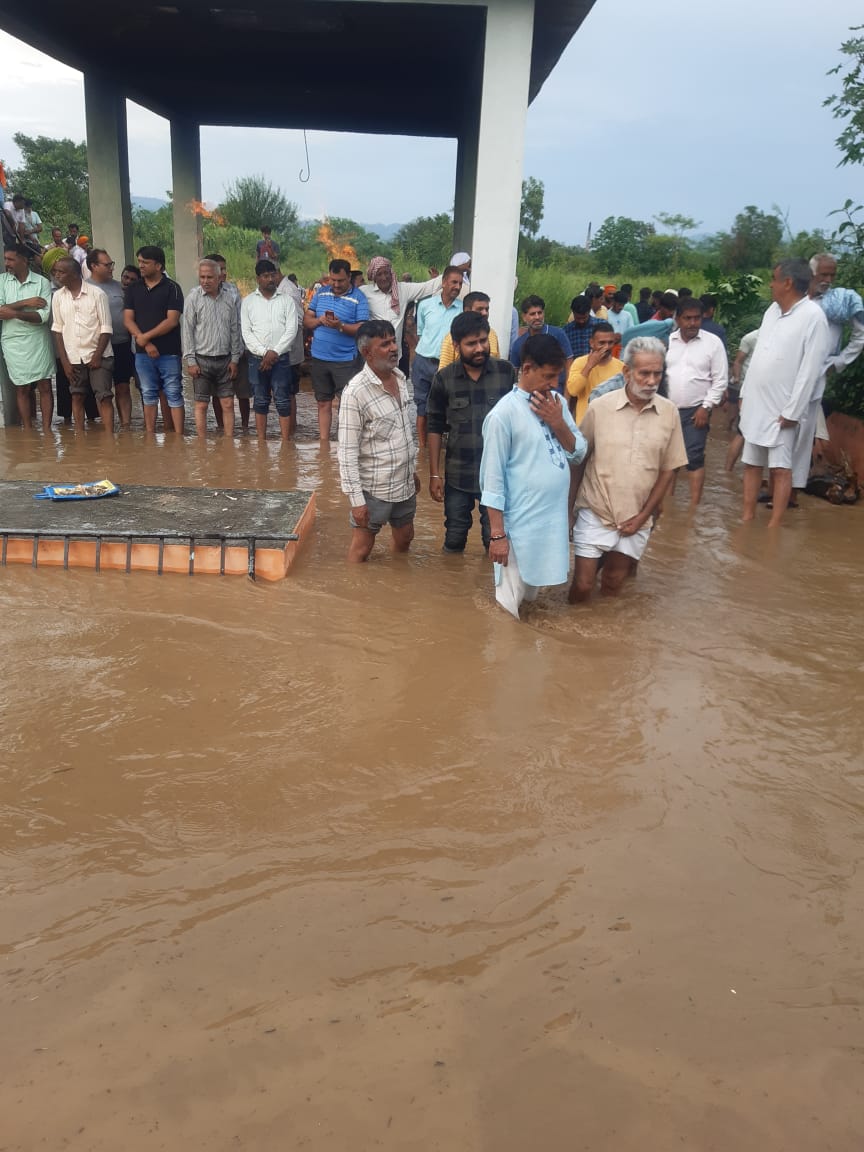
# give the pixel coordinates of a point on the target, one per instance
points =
(460, 398)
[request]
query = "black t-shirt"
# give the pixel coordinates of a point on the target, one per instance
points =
(151, 306)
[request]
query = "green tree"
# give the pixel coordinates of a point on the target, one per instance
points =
(428, 239)
(531, 212)
(620, 242)
(252, 202)
(848, 103)
(677, 225)
(753, 241)
(53, 174)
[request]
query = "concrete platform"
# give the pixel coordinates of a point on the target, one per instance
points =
(186, 530)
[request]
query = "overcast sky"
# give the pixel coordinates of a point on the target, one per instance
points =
(694, 109)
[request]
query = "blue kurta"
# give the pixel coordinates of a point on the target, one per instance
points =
(525, 473)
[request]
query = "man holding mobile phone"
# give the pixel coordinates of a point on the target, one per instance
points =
(334, 316)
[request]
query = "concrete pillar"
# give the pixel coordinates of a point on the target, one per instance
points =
(108, 165)
(186, 180)
(466, 191)
(500, 148)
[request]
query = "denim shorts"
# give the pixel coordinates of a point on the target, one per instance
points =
(159, 375)
(277, 381)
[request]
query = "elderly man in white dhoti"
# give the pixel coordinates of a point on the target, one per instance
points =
(787, 365)
(842, 307)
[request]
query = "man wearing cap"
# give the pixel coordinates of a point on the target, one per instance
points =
(461, 261)
(389, 298)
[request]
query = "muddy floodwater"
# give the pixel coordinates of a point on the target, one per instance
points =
(355, 861)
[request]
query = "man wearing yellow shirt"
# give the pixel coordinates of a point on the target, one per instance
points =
(587, 372)
(473, 302)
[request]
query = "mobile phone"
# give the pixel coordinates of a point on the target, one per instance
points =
(330, 315)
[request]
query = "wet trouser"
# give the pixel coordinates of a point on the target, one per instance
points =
(458, 506)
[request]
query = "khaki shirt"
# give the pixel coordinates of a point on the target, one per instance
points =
(628, 449)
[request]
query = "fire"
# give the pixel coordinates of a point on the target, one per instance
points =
(338, 247)
(199, 208)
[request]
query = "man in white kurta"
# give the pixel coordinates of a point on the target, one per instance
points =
(389, 298)
(842, 306)
(530, 442)
(787, 365)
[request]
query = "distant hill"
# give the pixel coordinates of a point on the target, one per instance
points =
(148, 203)
(385, 231)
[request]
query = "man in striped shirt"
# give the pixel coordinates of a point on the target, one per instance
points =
(334, 316)
(377, 453)
(211, 345)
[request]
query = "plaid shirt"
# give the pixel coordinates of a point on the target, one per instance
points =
(377, 453)
(457, 401)
(580, 335)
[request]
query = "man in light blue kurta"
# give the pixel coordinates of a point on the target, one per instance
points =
(529, 444)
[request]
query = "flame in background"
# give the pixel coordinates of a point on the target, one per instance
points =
(338, 247)
(199, 208)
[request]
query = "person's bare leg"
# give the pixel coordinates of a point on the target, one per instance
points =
(226, 407)
(150, 417)
(584, 575)
(285, 426)
(22, 396)
(325, 419)
(78, 411)
(245, 408)
(165, 409)
(106, 411)
(292, 419)
(46, 403)
(782, 478)
(402, 537)
(615, 572)
(123, 397)
(752, 484)
(696, 480)
(362, 543)
(733, 452)
(201, 407)
(217, 412)
(177, 418)
(261, 425)
(421, 431)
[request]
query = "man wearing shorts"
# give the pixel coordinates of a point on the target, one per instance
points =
(211, 346)
(152, 309)
(787, 367)
(82, 335)
(269, 323)
(635, 443)
(377, 453)
(102, 276)
(334, 316)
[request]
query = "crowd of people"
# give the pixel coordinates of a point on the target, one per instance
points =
(551, 435)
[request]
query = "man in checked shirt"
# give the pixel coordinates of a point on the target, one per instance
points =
(377, 453)
(459, 400)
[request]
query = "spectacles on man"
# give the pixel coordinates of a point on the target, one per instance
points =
(106, 264)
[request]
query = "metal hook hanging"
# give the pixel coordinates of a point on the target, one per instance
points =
(308, 169)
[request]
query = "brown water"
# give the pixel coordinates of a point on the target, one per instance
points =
(356, 861)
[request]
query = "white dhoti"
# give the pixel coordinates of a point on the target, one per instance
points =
(510, 588)
(802, 450)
